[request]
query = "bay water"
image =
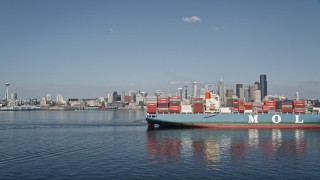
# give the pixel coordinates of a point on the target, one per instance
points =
(118, 145)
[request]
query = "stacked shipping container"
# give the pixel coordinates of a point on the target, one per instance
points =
(198, 105)
(152, 102)
(241, 105)
(175, 104)
(163, 105)
(269, 106)
(258, 108)
(287, 106)
(235, 105)
(238, 105)
(248, 107)
(300, 106)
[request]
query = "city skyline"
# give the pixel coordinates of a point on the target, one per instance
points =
(91, 48)
(238, 91)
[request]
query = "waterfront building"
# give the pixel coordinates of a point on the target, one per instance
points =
(251, 91)
(180, 92)
(239, 88)
(144, 94)
(43, 101)
(139, 100)
(263, 86)
(229, 93)
(241, 93)
(209, 87)
(128, 99)
(221, 92)
(109, 98)
(202, 92)
(123, 96)
(101, 99)
(60, 99)
(115, 96)
(246, 94)
(229, 98)
(159, 93)
(257, 96)
(297, 96)
(49, 99)
(185, 92)
(14, 96)
(195, 89)
(132, 94)
(257, 84)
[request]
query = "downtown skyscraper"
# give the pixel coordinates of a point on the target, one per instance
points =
(221, 93)
(263, 86)
(239, 91)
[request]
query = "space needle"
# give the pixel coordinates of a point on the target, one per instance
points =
(7, 91)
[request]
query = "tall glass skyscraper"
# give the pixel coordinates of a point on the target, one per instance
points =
(221, 92)
(195, 89)
(239, 89)
(263, 86)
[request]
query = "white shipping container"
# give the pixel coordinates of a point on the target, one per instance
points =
(186, 109)
(316, 109)
(225, 110)
(248, 111)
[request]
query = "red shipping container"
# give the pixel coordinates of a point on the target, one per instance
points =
(163, 110)
(241, 109)
(248, 106)
(200, 111)
(174, 97)
(152, 108)
(152, 111)
(270, 103)
(163, 99)
(197, 99)
(301, 102)
(272, 107)
(175, 109)
(287, 110)
(198, 108)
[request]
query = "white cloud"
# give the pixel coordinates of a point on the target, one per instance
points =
(111, 30)
(192, 19)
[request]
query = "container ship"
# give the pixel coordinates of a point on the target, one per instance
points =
(206, 112)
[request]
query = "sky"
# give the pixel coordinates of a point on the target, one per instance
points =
(89, 48)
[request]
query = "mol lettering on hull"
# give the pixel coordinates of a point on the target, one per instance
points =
(276, 119)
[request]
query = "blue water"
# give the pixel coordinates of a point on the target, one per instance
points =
(118, 145)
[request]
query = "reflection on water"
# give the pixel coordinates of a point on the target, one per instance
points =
(215, 146)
